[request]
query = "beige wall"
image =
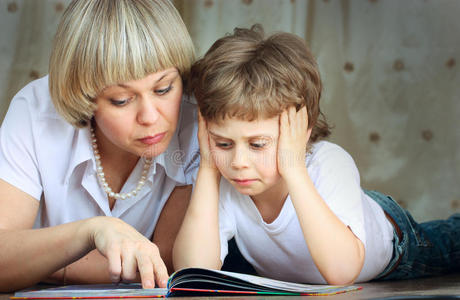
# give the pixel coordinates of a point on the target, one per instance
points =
(390, 69)
(26, 32)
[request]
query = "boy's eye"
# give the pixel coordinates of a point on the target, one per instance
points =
(163, 91)
(223, 145)
(258, 145)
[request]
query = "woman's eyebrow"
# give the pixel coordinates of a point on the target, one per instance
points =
(156, 81)
(172, 72)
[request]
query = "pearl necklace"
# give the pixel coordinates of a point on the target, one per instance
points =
(101, 175)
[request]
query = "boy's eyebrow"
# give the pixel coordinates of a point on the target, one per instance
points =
(247, 137)
(213, 134)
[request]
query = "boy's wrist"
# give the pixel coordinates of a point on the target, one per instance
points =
(209, 172)
(296, 174)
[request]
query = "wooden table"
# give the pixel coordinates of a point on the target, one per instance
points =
(443, 285)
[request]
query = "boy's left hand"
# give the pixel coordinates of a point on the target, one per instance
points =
(292, 142)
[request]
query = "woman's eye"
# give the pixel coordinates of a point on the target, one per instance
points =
(119, 102)
(163, 91)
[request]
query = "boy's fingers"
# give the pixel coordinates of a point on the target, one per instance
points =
(284, 120)
(292, 115)
(200, 121)
(303, 115)
(308, 134)
(293, 120)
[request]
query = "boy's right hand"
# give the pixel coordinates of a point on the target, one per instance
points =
(206, 159)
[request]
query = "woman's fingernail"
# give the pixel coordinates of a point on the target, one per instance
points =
(148, 284)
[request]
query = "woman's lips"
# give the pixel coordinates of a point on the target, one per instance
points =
(150, 140)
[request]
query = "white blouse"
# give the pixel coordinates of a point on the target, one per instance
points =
(44, 156)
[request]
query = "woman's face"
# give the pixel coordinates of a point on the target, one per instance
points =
(139, 116)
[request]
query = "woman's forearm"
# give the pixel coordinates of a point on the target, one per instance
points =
(31, 255)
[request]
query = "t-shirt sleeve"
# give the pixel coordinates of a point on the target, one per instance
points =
(18, 156)
(337, 180)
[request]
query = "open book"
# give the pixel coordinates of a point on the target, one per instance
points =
(188, 282)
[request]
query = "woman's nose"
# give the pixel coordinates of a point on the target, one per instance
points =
(147, 113)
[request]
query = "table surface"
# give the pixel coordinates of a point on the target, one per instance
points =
(443, 285)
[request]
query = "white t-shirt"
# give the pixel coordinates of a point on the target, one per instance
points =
(278, 250)
(44, 156)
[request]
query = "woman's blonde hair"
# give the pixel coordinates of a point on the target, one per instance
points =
(247, 76)
(104, 42)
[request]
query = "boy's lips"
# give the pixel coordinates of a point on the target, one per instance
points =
(150, 140)
(244, 182)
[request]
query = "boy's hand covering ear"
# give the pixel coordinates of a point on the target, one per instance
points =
(206, 159)
(293, 138)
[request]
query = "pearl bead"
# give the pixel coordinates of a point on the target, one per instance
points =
(101, 175)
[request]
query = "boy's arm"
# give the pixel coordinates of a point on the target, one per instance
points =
(198, 243)
(337, 252)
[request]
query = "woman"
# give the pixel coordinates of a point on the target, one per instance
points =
(96, 159)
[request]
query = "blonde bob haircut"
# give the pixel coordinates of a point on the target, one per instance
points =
(104, 42)
(247, 76)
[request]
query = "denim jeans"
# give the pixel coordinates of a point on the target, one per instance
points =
(426, 249)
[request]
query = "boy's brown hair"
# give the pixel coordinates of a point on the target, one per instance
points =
(247, 76)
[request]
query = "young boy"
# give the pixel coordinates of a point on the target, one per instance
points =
(292, 201)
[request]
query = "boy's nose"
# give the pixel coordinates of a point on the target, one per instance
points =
(240, 160)
(147, 113)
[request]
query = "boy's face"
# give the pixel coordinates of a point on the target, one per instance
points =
(246, 153)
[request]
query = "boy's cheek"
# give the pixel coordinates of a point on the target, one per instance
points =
(221, 162)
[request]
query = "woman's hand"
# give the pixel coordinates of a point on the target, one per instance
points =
(127, 252)
(292, 142)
